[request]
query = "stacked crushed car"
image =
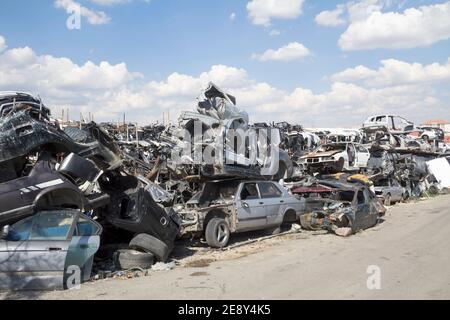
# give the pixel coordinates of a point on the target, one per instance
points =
(125, 194)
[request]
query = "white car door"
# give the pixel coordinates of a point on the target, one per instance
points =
(362, 156)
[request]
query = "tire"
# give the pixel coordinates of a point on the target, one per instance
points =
(425, 137)
(281, 174)
(217, 233)
(147, 243)
(127, 259)
(387, 200)
(405, 197)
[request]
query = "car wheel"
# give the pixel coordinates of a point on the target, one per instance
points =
(217, 233)
(150, 244)
(405, 197)
(425, 137)
(387, 200)
(127, 259)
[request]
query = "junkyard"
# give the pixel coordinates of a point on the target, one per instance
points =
(181, 150)
(95, 206)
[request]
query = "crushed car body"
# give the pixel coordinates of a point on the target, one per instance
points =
(225, 207)
(341, 206)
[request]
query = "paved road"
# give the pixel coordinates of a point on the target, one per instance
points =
(411, 250)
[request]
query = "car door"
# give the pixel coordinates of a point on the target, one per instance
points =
(33, 255)
(362, 156)
(273, 199)
(366, 214)
(351, 153)
(397, 190)
(251, 209)
(83, 246)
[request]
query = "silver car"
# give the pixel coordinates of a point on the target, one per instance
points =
(226, 207)
(49, 250)
(390, 191)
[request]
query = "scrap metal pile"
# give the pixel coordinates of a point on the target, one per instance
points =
(123, 193)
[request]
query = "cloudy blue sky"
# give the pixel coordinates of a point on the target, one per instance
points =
(316, 63)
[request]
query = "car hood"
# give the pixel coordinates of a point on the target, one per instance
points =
(322, 154)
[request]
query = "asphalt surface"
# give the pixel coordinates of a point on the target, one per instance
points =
(405, 257)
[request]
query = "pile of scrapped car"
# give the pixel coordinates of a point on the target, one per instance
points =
(74, 197)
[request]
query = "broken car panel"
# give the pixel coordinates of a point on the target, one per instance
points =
(43, 251)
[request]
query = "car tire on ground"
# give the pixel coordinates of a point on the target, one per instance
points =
(217, 233)
(147, 243)
(405, 196)
(125, 259)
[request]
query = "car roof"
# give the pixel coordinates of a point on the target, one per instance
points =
(5, 94)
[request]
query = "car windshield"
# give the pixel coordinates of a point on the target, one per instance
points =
(381, 183)
(346, 195)
(331, 147)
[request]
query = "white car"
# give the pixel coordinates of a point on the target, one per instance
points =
(431, 133)
(337, 157)
(394, 124)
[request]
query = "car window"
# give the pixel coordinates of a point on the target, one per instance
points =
(249, 192)
(269, 190)
(20, 231)
(51, 225)
(361, 149)
(361, 198)
(86, 227)
(345, 196)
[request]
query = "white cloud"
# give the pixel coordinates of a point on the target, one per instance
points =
(262, 11)
(331, 18)
(108, 90)
(2, 44)
(93, 17)
(395, 73)
(414, 27)
(274, 32)
(292, 51)
(354, 74)
(232, 16)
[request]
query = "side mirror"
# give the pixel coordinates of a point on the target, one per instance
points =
(5, 231)
(245, 205)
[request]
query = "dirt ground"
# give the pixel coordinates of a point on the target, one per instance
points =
(407, 256)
